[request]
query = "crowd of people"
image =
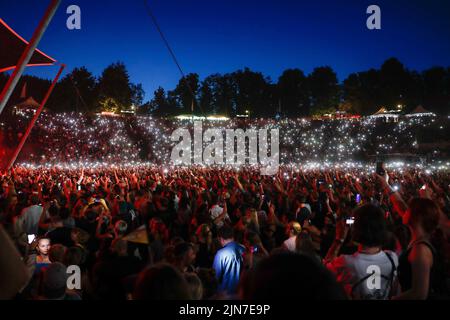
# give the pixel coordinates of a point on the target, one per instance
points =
(148, 232)
(80, 138)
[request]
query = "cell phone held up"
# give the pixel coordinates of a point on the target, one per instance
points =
(380, 168)
(350, 221)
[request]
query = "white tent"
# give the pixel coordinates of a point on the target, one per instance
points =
(420, 111)
(384, 113)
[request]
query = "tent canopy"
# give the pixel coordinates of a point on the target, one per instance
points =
(384, 112)
(419, 109)
(381, 111)
(13, 45)
(27, 103)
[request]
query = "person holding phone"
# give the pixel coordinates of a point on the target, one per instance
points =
(355, 272)
(422, 266)
(255, 250)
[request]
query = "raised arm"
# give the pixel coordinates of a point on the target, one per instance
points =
(394, 196)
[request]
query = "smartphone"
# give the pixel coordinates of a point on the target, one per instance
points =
(350, 221)
(31, 238)
(319, 183)
(358, 198)
(380, 168)
(79, 188)
(424, 187)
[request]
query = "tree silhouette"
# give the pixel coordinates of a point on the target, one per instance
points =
(115, 83)
(324, 90)
(182, 96)
(293, 93)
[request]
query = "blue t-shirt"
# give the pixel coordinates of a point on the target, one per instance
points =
(228, 264)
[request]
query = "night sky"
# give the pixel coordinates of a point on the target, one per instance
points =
(218, 36)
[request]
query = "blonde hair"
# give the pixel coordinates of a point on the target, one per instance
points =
(295, 227)
(38, 241)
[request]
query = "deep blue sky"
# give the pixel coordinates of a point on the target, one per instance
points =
(210, 36)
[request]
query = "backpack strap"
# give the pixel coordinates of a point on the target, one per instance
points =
(393, 270)
(390, 279)
(362, 280)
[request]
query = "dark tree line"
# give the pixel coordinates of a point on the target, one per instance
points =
(295, 94)
(81, 91)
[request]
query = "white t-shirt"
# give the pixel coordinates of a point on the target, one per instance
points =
(350, 270)
(290, 243)
(29, 219)
(216, 211)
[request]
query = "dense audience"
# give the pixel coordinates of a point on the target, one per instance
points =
(148, 232)
(80, 139)
(98, 196)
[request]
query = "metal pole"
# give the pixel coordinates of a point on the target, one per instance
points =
(28, 53)
(36, 116)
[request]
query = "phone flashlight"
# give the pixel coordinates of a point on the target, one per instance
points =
(31, 238)
(350, 221)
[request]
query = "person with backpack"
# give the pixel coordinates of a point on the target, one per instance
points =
(370, 273)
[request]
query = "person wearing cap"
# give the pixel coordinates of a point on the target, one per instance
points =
(293, 229)
(54, 284)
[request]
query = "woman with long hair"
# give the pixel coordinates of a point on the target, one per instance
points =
(205, 254)
(43, 248)
(423, 265)
(422, 271)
